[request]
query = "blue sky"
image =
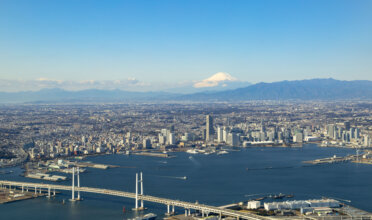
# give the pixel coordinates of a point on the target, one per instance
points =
(182, 41)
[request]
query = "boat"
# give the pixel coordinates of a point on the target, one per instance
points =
(184, 177)
(191, 151)
(279, 196)
(222, 152)
(150, 216)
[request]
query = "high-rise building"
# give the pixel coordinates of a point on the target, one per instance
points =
(165, 132)
(347, 125)
(162, 139)
(331, 130)
(271, 135)
(219, 134)
(357, 133)
(171, 139)
(298, 138)
(224, 134)
(366, 141)
(146, 143)
(352, 133)
(263, 128)
(209, 128)
(233, 139)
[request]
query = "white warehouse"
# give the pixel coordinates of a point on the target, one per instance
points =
(331, 203)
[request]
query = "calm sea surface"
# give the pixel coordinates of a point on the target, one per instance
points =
(211, 179)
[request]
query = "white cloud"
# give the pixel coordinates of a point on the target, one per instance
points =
(215, 80)
(44, 83)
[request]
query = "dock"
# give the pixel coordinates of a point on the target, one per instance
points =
(330, 160)
(12, 195)
(95, 165)
(44, 176)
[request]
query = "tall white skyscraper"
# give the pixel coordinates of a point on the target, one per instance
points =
(171, 139)
(224, 134)
(219, 134)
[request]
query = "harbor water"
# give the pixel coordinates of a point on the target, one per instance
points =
(211, 179)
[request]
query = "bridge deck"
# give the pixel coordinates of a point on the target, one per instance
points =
(177, 203)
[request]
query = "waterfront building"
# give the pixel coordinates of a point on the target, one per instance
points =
(162, 139)
(146, 143)
(171, 139)
(233, 139)
(298, 138)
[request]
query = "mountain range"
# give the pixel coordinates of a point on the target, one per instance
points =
(313, 89)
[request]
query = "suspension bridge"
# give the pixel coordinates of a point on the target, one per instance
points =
(139, 197)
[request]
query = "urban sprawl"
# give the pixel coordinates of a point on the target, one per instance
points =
(38, 132)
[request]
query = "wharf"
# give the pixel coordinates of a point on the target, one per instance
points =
(179, 217)
(365, 161)
(329, 160)
(8, 196)
(43, 176)
(353, 211)
(95, 165)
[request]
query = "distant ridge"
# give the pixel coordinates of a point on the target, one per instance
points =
(84, 96)
(312, 89)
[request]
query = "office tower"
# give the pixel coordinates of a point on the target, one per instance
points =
(165, 132)
(162, 139)
(331, 130)
(271, 135)
(146, 143)
(186, 137)
(129, 137)
(233, 139)
(209, 128)
(262, 128)
(219, 134)
(298, 138)
(347, 125)
(171, 139)
(171, 128)
(352, 133)
(262, 136)
(366, 141)
(357, 133)
(224, 134)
